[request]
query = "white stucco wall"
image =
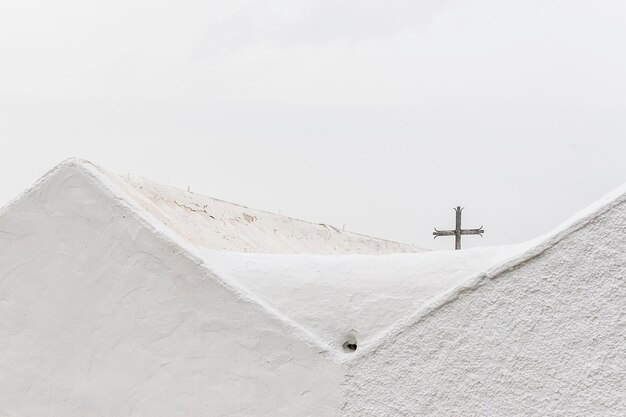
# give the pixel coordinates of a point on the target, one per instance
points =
(99, 317)
(106, 312)
(547, 338)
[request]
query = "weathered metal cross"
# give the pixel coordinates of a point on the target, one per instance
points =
(457, 232)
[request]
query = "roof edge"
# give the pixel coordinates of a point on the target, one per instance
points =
(126, 200)
(533, 248)
(40, 181)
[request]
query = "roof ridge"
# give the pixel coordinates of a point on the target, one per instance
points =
(535, 248)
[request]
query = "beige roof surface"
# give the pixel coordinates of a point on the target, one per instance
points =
(214, 224)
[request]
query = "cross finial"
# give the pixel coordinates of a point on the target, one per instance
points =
(457, 232)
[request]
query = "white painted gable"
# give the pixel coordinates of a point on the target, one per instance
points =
(119, 297)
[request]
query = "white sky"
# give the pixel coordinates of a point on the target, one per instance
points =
(380, 115)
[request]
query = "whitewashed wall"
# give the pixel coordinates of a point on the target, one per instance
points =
(98, 317)
(545, 339)
(101, 315)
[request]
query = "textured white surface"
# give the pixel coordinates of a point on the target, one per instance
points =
(546, 338)
(333, 297)
(107, 309)
(209, 223)
(101, 317)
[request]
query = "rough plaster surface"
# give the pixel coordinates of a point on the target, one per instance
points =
(99, 317)
(547, 338)
(106, 309)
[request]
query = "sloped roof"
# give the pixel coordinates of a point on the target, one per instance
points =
(374, 298)
(326, 298)
(220, 225)
(335, 297)
(330, 297)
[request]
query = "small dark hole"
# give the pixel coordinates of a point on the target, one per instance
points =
(351, 346)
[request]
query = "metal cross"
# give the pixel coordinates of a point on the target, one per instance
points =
(457, 232)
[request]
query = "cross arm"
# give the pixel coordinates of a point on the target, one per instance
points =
(444, 233)
(478, 231)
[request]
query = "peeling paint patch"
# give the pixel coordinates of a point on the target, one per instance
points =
(249, 218)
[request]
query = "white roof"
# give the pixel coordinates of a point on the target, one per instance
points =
(334, 297)
(324, 298)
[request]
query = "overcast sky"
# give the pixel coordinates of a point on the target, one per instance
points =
(377, 115)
